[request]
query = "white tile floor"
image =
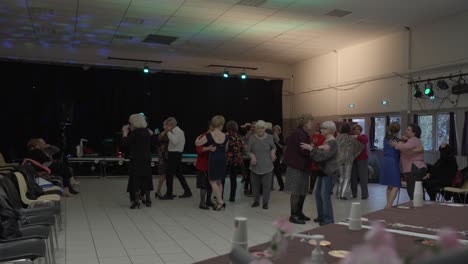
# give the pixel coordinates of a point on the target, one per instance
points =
(99, 227)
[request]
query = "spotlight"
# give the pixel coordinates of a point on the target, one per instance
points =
(417, 93)
(146, 69)
(442, 84)
(226, 74)
(384, 102)
(432, 98)
(428, 90)
(243, 76)
(351, 105)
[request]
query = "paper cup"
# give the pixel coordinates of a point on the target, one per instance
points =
(240, 230)
(355, 211)
(418, 200)
(244, 245)
(418, 187)
(355, 224)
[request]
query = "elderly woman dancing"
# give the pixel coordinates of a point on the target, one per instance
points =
(325, 156)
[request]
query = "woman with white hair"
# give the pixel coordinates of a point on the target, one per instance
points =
(137, 140)
(262, 152)
(325, 156)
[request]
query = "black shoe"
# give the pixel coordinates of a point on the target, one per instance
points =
(303, 217)
(135, 205)
(322, 224)
(167, 197)
(281, 188)
(210, 203)
(256, 204)
(249, 194)
(186, 195)
(364, 197)
(265, 206)
(157, 195)
(204, 207)
(220, 207)
(73, 191)
(343, 198)
(317, 220)
(296, 220)
(232, 200)
(147, 203)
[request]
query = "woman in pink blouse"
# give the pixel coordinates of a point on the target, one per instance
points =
(412, 159)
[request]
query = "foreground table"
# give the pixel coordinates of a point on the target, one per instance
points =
(341, 238)
(426, 220)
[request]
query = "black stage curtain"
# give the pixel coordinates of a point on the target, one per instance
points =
(37, 98)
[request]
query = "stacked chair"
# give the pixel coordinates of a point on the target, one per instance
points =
(30, 216)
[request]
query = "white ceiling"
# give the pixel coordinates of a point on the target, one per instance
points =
(278, 31)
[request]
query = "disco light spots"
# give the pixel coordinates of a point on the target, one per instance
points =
(7, 44)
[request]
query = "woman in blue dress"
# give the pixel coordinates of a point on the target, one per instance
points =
(390, 169)
(217, 141)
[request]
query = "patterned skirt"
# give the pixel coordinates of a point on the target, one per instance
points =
(297, 181)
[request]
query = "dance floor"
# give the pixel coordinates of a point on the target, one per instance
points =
(99, 227)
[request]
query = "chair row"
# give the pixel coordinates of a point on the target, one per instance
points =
(30, 216)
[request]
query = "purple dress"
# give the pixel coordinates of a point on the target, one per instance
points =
(390, 167)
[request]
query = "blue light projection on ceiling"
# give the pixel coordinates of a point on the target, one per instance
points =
(52, 29)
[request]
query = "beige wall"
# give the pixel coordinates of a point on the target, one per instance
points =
(367, 73)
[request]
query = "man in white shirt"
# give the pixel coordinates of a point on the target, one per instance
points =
(176, 147)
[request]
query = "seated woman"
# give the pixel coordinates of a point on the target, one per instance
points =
(42, 152)
(442, 173)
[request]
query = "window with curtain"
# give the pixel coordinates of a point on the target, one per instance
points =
(426, 123)
(395, 119)
(380, 131)
(443, 129)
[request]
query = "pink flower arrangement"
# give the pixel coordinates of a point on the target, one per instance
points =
(278, 244)
(378, 236)
(448, 239)
(379, 247)
(283, 225)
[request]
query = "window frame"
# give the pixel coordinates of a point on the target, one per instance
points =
(436, 145)
(435, 128)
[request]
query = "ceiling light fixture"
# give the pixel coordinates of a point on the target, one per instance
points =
(417, 93)
(243, 76)
(146, 70)
(226, 74)
(442, 84)
(428, 90)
